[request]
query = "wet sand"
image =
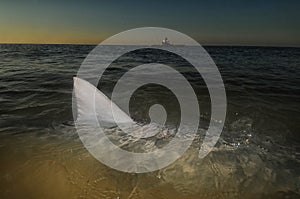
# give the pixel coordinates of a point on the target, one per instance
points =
(58, 166)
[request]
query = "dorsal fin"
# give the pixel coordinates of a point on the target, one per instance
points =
(90, 100)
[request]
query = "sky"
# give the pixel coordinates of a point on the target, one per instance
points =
(210, 22)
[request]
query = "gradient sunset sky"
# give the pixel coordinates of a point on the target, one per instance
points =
(214, 22)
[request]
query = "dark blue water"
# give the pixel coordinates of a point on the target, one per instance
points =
(258, 154)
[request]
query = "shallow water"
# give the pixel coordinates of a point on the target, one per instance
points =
(258, 155)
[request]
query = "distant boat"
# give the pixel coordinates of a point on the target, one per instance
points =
(166, 42)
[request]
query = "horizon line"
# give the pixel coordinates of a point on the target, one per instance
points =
(92, 44)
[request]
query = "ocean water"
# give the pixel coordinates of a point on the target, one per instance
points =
(257, 156)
